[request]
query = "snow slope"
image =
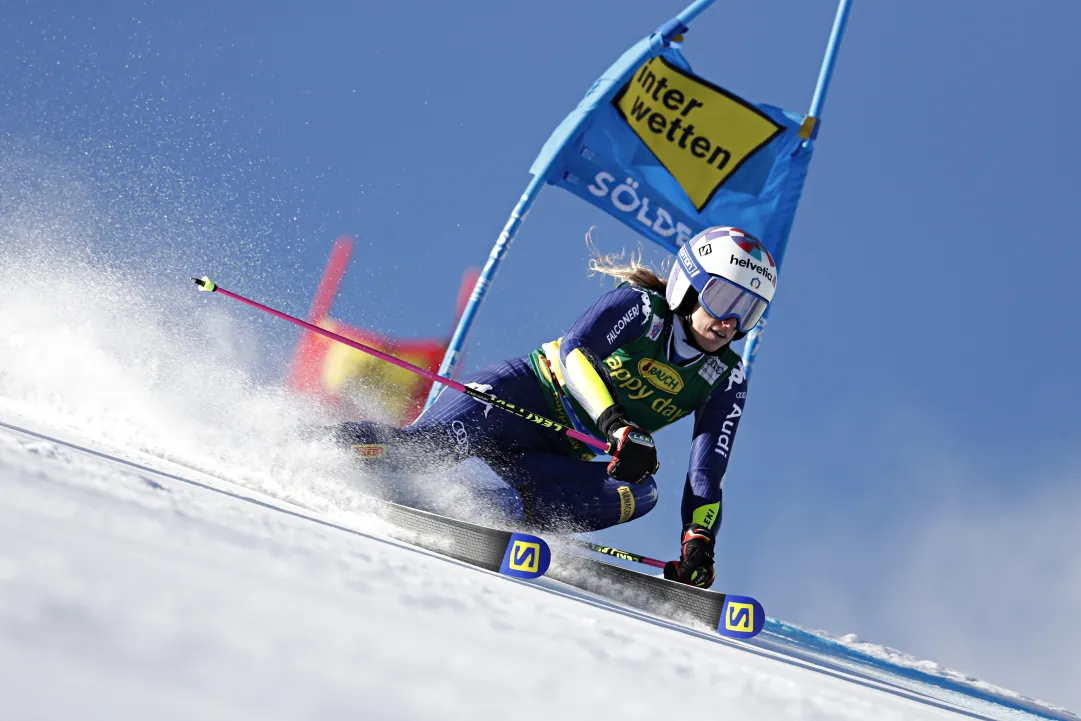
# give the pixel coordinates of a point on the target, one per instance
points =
(137, 582)
(141, 589)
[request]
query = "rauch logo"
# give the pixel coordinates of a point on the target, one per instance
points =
(660, 375)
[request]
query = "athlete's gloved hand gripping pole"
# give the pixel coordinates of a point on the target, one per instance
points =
(695, 564)
(205, 284)
(634, 456)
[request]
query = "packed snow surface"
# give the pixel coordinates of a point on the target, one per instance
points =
(129, 593)
(170, 547)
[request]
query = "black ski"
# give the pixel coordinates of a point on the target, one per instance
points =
(728, 614)
(520, 555)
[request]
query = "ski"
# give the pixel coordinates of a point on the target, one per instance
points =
(514, 554)
(729, 615)
(523, 555)
(510, 553)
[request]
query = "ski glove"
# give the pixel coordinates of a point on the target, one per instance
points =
(634, 457)
(695, 565)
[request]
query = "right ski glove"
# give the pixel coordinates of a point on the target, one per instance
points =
(634, 457)
(695, 564)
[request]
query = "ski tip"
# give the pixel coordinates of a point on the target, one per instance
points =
(741, 617)
(206, 284)
(526, 556)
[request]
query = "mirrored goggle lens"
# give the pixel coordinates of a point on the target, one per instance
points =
(724, 299)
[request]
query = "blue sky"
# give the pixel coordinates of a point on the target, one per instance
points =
(907, 468)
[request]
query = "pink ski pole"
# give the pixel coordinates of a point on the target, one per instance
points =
(616, 553)
(206, 284)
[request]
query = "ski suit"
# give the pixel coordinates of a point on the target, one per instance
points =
(619, 351)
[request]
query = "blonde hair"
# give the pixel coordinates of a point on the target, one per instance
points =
(631, 271)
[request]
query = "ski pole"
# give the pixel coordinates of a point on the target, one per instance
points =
(206, 284)
(625, 555)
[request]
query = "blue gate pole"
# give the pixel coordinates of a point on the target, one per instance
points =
(825, 75)
(663, 35)
(692, 11)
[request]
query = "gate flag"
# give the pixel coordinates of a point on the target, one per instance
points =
(356, 383)
(669, 153)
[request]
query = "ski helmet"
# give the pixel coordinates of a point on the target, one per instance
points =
(728, 271)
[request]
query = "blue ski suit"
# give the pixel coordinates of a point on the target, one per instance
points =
(558, 488)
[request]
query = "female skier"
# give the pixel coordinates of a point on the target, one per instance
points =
(643, 356)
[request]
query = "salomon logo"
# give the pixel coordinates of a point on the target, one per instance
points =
(688, 264)
(740, 617)
(525, 556)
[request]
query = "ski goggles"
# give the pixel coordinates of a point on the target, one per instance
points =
(721, 297)
(724, 299)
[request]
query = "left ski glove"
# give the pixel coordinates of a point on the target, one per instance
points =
(634, 456)
(695, 565)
